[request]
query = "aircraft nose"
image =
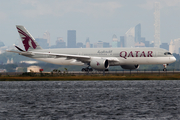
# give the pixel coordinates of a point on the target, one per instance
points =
(173, 59)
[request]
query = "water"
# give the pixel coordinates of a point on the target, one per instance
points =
(125, 100)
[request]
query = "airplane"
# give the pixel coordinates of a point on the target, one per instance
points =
(97, 58)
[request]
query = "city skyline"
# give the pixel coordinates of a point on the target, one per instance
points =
(132, 38)
(96, 20)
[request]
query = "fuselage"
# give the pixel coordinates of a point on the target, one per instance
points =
(96, 58)
(124, 56)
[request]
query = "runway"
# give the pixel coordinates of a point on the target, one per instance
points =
(106, 72)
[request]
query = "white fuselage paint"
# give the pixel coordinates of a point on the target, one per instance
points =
(81, 56)
(125, 56)
(133, 61)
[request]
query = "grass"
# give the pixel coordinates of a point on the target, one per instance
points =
(67, 77)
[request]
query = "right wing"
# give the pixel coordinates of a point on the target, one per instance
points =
(81, 58)
(84, 59)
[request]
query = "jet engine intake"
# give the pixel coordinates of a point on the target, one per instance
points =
(99, 64)
(130, 67)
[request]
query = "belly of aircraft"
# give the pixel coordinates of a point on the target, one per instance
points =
(138, 60)
(145, 60)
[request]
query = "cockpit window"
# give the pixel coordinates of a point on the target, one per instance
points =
(167, 53)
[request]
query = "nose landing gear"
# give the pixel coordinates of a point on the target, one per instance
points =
(165, 65)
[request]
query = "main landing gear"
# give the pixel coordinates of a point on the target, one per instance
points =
(87, 69)
(165, 65)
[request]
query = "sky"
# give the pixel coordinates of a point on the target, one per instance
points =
(96, 19)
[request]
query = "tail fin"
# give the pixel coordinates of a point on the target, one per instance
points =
(27, 39)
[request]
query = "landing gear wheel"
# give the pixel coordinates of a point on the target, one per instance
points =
(90, 69)
(165, 65)
(83, 69)
(86, 69)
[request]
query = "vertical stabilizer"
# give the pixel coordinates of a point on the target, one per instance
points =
(27, 39)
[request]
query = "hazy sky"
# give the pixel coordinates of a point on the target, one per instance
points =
(96, 19)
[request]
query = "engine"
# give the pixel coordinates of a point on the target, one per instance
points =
(130, 67)
(99, 64)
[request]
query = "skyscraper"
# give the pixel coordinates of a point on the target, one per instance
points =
(71, 39)
(138, 33)
(114, 41)
(174, 46)
(46, 35)
(129, 37)
(122, 41)
(157, 41)
(88, 45)
(132, 38)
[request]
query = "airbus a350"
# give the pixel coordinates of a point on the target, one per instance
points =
(96, 58)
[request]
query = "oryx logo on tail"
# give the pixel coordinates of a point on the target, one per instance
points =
(27, 40)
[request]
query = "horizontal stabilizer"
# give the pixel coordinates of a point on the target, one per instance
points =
(19, 49)
(21, 53)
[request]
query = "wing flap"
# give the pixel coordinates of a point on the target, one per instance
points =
(81, 58)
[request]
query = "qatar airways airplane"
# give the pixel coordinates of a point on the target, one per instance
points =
(96, 58)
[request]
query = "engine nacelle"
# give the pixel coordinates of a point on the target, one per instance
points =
(99, 64)
(130, 67)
